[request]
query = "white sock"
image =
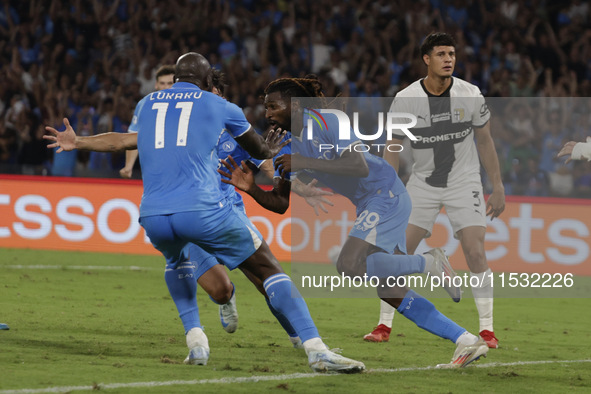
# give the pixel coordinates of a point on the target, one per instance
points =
(429, 261)
(314, 344)
(467, 339)
(196, 337)
(483, 298)
(386, 314)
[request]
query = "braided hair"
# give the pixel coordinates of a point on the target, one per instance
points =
(309, 86)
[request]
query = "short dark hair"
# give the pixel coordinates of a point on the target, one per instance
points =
(434, 40)
(219, 80)
(167, 69)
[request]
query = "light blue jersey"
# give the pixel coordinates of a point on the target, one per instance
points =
(227, 146)
(381, 201)
(178, 131)
(326, 145)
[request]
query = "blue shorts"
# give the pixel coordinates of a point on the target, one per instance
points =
(225, 233)
(203, 260)
(382, 221)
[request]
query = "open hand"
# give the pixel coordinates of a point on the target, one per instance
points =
(314, 196)
(240, 177)
(64, 140)
(275, 141)
(567, 150)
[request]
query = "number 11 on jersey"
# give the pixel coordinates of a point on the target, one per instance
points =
(185, 115)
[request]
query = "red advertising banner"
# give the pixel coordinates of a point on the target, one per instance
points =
(532, 235)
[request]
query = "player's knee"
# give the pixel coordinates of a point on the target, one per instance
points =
(349, 267)
(222, 294)
(475, 257)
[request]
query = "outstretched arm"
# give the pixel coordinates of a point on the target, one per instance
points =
(314, 196)
(350, 163)
(276, 200)
(576, 150)
(261, 148)
(108, 142)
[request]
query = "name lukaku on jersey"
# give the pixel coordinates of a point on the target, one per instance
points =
(163, 95)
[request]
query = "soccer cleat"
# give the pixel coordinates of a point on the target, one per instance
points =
(296, 342)
(229, 315)
(327, 361)
(198, 356)
(465, 354)
(380, 334)
(490, 339)
(442, 269)
(4, 326)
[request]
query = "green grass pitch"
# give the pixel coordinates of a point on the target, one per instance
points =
(80, 321)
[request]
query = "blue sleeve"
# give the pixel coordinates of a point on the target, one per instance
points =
(256, 162)
(333, 137)
(235, 123)
(134, 126)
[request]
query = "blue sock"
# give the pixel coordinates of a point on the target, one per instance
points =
(286, 299)
(183, 290)
(383, 265)
(424, 314)
(282, 320)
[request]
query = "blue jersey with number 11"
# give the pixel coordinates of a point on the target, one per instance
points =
(178, 130)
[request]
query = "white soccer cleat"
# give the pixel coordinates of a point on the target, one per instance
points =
(229, 315)
(441, 268)
(327, 361)
(197, 356)
(465, 354)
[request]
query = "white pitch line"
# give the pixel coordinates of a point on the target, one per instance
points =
(78, 267)
(263, 378)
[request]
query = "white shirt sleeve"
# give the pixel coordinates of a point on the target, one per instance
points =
(582, 150)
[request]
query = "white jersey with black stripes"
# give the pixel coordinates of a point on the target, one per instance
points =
(444, 153)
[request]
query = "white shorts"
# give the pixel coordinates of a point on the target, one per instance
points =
(464, 204)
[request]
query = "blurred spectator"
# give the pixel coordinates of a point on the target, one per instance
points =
(537, 180)
(73, 58)
(8, 144)
(553, 139)
(582, 179)
(515, 179)
(34, 155)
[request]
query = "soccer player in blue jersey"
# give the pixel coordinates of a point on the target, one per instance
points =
(164, 80)
(376, 244)
(178, 130)
(211, 275)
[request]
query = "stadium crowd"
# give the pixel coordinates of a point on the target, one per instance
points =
(92, 61)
